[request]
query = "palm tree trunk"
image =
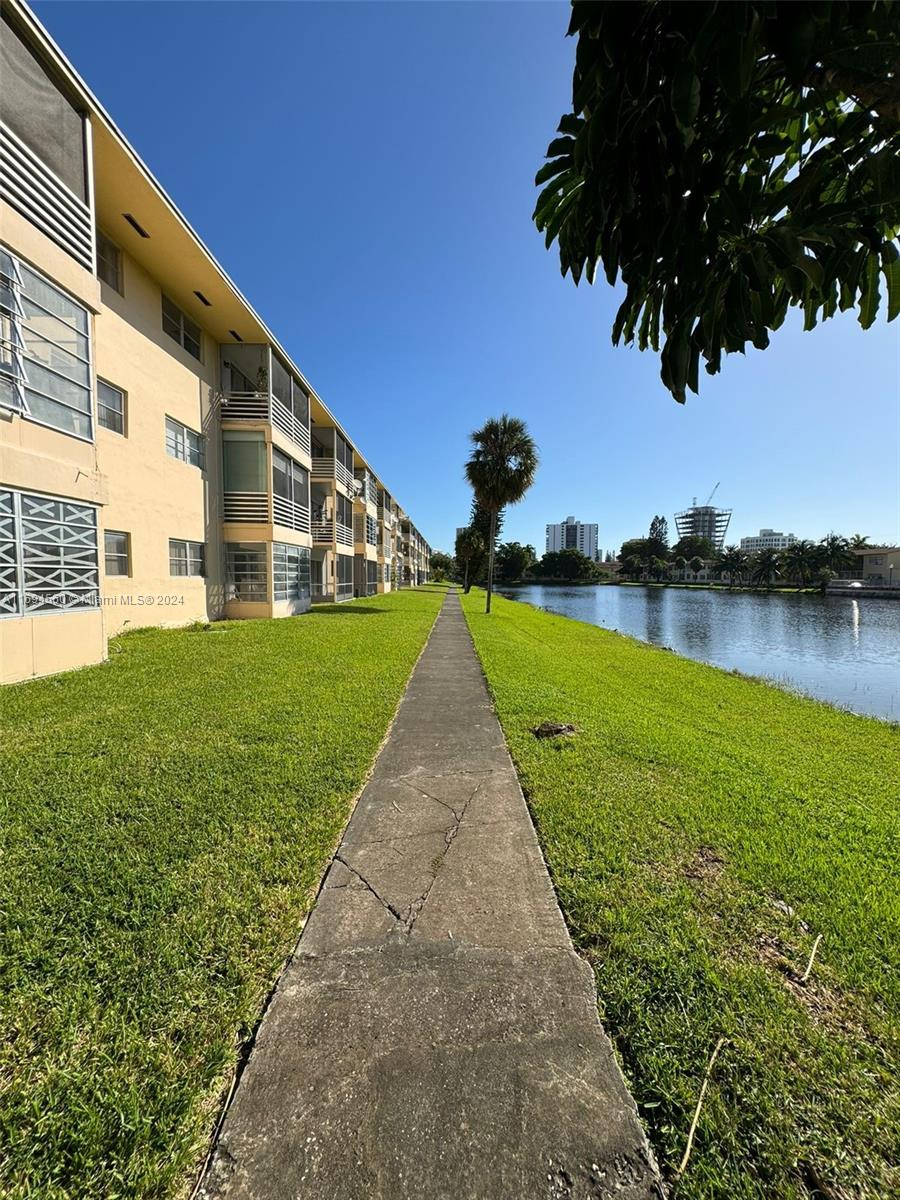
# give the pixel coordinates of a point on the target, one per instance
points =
(490, 578)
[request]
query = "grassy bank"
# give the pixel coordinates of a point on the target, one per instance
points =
(702, 830)
(165, 820)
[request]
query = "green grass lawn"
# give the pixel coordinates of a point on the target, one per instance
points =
(702, 829)
(166, 818)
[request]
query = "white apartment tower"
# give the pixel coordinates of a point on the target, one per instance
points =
(573, 535)
(767, 539)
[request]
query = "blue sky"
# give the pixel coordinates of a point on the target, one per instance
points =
(365, 174)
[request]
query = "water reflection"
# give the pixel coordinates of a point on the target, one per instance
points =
(837, 648)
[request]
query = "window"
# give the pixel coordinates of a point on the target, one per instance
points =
(186, 558)
(244, 462)
(110, 407)
(290, 492)
(290, 571)
(48, 555)
(45, 355)
(116, 552)
(184, 443)
(180, 327)
(109, 262)
(246, 573)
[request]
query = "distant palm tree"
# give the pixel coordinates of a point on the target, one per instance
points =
(800, 560)
(658, 567)
(696, 565)
(469, 547)
(765, 567)
(835, 553)
(733, 563)
(680, 564)
(501, 470)
(858, 542)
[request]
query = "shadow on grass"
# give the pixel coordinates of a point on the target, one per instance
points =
(339, 610)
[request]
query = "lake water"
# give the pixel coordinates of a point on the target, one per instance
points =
(836, 648)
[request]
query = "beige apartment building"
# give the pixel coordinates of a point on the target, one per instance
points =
(162, 460)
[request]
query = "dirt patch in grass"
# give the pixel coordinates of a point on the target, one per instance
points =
(706, 866)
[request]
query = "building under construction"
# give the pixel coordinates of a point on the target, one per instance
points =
(704, 521)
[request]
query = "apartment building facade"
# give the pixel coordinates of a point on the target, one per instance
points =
(162, 460)
(572, 535)
(767, 539)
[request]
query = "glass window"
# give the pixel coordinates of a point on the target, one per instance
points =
(300, 402)
(109, 262)
(186, 558)
(115, 547)
(282, 484)
(45, 367)
(178, 325)
(246, 573)
(244, 465)
(184, 443)
(110, 407)
(290, 571)
(48, 555)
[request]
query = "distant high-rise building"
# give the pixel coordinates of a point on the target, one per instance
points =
(767, 539)
(572, 535)
(704, 521)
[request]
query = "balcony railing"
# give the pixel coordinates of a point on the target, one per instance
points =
(326, 531)
(290, 514)
(261, 406)
(247, 506)
(330, 468)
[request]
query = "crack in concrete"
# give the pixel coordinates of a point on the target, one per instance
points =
(386, 904)
(417, 906)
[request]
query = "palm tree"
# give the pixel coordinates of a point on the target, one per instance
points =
(680, 564)
(835, 553)
(658, 567)
(696, 565)
(501, 470)
(765, 567)
(631, 566)
(800, 559)
(469, 547)
(858, 542)
(732, 563)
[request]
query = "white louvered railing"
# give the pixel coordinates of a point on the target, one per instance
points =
(29, 186)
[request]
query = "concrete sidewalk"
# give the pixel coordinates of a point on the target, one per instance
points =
(435, 1035)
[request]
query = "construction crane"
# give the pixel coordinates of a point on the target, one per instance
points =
(711, 494)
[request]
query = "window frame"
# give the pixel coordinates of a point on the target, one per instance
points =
(117, 554)
(22, 354)
(119, 284)
(183, 320)
(123, 414)
(194, 555)
(181, 431)
(54, 554)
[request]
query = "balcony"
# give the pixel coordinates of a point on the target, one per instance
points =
(323, 594)
(290, 514)
(247, 506)
(328, 468)
(261, 406)
(326, 532)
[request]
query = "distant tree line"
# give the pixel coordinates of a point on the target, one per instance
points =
(805, 563)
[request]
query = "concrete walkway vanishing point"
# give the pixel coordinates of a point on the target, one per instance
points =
(435, 1035)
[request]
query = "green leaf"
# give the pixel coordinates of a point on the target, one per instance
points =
(811, 268)
(890, 265)
(868, 301)
(685, 95)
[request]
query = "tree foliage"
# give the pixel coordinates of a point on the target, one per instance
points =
(727, 161)
(567, 564)
(513, 560)
(442, 566)
(469, 551)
